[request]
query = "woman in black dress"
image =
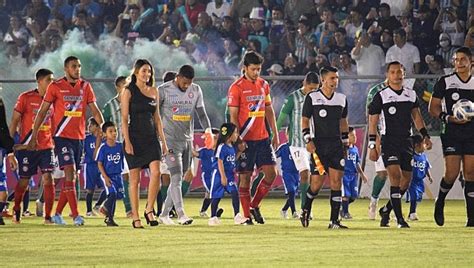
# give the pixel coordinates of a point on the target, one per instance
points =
(141, 125)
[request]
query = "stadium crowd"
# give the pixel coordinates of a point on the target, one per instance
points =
(295, 36)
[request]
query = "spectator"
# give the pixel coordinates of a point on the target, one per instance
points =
(341, 43)
(327, 17)
(258, 31)
(275, 70)
(354, 90)
(435, 65)
(38, 11)
(369, 58)
(469, 42)
(303, 42)
(406, 53)
(245, 27)
(81, 23)
(295, 8)
(16, 37)
(424, 37)
(111, 8)
(446, 50)
(92, 9)
(310, 64)
(217, 10)
(110, 23)
(61, 9)
(231, 56)
(386, 40)
(451, 25)
(193, 9)
(240, 8)
(341, 9)
(276, 32)
(4, 18)
(325, 39)
(287, 44)
(385, 20)
(354, 23)
(208, 34)
(229, 30)
(322, 61)
(129, 27)
(291, 66)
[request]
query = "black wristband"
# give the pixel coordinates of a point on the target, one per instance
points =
(306, 135)
(424, 133)
(306, 131)
(372, 137)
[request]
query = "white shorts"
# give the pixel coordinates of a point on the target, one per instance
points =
(164, 168)
(379, 166)
(125, 169)
(300, 157)
(57, 172)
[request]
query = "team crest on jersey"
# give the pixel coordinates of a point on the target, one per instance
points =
(66, 157)
(455, 96)
(191, 95)
(25, 161)
(25, 169)
(175, 109)
(243, 164)
(392, 110)
(323, 113)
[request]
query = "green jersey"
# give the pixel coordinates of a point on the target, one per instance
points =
(370, 96)
(112, 113)
(293, 108)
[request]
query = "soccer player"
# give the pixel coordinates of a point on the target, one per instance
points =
(222, 179)
(69, 96)
(91, 171)
(421, 170)
(179, 99)
(381, 173)
(250, 105)
(456, 135)
(397, 107)
(328, 111)
(3, 183)
(350, 180)
(291, 179)
(26, 108)
(112, 113)
(6, 142)
(292, 109)
(110, 163)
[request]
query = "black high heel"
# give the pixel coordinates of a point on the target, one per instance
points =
(148, 221)
(134, 226)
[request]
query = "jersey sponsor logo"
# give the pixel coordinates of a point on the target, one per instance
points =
(455, 96)
(392, 110)
(181, 118)
(420, 165)
(450, 149)
(44, 128)
(25, 161)
(247, 91)
(230, 158)
(152, 103)
(114, 158)
(323, 113)
(392, 158)
(64, 91)
(257, 114)
(255, 98)
(175, 109)
(73, 113)
(175, 99)
(352, 157)
(453, 85)
(92, 145)
(72, 98)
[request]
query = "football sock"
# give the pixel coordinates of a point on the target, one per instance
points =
(262, 190)
(345, 206)
(206, 202)
(159, 203)
(412, 204)
(379, 183)
(19, 192)
(48, 193)
(184, 187)
(77, 190)
(287, 204)
(214, 206)
(26, 200)
(303, 190)
(2, 207)
(335, 202)
(126, 196)
(255, 182)
(310, 196)
(89, 196)
(102, 197)
(469, 195)
(444, 188)
(235, 202)
(291, 200)
(396, 201)
(245, 201)
(62, 201)
(70, 192)
(110, 204)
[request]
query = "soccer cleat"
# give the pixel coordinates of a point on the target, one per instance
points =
(214, 221)
(78, 220)
(403, 224)
(248, 221)
(16, 216)
(91, 214)
(284, 214)
(257, 215)
(304, 218)
(239, 219)
(372, 210)
(185, 220)
(103, 211)
(296, 215)
(203, 214)
(26, 213)
(219, 212)
(470, 223)
(39, 208)
(347, 216)
(439, 212)
(336, 225)
(58, 219)
(2, 222)
(384, 217)
(110, 222)
(166, 220)
(413, 217)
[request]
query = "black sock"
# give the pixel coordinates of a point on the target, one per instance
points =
(291, 202)
(351, 200)
(335, 202)
(2, 207)
(206, 202)
(412, 204)
(235, 202)
(396, 200)
(110, 204)
(214, 206)
(345, 206)
(287, 205)
(388, 207)
(159, 203)
(26, 200)
(310, 196)
(102, 197)
(89, 201)
(11, 196)
(444, 188)
(469, 195)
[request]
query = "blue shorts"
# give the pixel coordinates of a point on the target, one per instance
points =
(291, 181)
(30, 161)
(259, 153)
(92, 177)
(116, 187)
(217, 189)
(350, 184)
(416, 190)
(69, 152)
(206, 181)
(3, 183)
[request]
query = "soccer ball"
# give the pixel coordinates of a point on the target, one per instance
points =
(463, 109)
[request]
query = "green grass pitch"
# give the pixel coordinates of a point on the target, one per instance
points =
(278, 242)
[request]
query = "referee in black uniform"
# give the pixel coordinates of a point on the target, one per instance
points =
(397, 107)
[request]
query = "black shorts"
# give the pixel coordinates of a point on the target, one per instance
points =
(69, 152)
(30, 161)
(330, 153)
(397, 151)
(259, 153)
(453, 145)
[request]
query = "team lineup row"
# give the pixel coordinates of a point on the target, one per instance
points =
(156, 125)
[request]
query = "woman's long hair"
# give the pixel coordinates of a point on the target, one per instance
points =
(225, 132)
(132, 79)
